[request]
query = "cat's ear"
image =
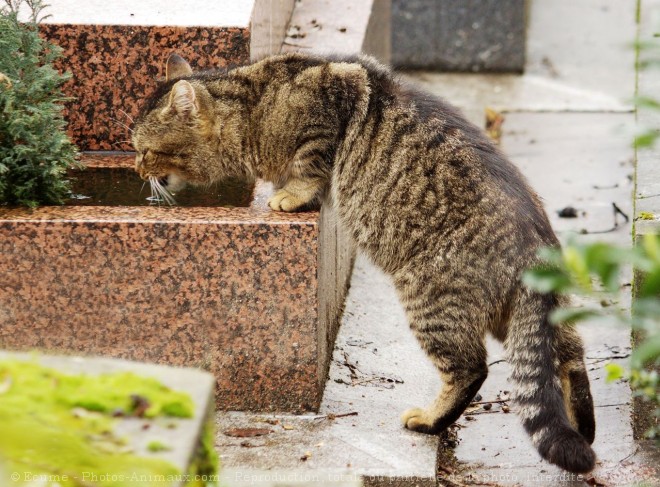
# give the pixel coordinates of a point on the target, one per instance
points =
(182, 100)
(176, 67)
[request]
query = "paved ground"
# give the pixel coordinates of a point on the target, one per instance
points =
(567, 126)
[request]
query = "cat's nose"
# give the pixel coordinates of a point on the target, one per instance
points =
(138, 161)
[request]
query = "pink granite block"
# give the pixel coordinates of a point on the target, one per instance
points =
(115, 67)
(116, 52)
(235, 291)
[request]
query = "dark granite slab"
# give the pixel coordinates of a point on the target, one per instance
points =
(459, 35)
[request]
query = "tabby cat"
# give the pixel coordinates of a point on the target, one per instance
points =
(421, 191)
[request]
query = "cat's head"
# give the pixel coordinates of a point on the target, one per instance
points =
(172, 136)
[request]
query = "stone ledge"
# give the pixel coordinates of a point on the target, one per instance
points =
(253, 296)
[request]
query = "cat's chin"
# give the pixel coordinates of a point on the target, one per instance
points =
(175, 183)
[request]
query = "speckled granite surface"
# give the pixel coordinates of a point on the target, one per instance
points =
(234, 291)
(115, 67)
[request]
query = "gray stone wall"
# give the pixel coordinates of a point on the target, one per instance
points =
(459, 35)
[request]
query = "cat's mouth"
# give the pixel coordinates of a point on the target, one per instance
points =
(163, 188)
(171, 182)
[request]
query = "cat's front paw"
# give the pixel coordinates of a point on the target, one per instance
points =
(418, 419)
(282, 200)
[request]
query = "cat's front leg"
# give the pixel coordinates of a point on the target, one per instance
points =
(297, 194)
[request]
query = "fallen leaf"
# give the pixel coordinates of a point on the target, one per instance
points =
(494, 121)
(247, 432)
(139, 405)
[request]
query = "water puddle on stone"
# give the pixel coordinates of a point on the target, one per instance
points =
(123, 187)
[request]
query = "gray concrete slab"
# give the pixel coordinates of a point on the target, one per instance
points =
(583, 160)
(286, 478)
(510, 93)
(584, 43)
(378, 371)
(340, 27)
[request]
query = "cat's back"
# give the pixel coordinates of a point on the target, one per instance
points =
(418, 175)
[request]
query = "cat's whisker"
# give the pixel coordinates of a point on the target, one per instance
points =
(161, 191)
(119, 142)
(121, 124)
(127, 115)
(153, 196)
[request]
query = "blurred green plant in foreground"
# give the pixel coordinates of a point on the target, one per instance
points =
(593, 270)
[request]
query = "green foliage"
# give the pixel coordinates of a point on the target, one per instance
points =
(34, 150)
(593, 270)
(648, 58)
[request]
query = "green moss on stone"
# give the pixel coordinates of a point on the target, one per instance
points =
(57, 428)
(156, 446)
(203, 470)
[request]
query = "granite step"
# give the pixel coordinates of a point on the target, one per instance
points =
(251, 295)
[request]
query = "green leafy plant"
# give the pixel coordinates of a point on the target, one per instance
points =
(647, 58)
(593, 270)
(34, 149)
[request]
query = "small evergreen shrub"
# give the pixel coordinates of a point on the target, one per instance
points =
(35, 152)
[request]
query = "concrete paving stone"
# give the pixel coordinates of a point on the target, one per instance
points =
(340, 27)
(286, 478)
(585, 43)
(472, 93)
(234, 13)
(583, 160)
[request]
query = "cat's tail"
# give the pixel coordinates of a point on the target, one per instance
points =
(531, 345)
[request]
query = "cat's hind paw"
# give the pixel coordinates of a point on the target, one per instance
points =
(282, 200)
(418, 419)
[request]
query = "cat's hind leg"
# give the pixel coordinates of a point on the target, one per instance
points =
(456, 347)
(575, 381)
